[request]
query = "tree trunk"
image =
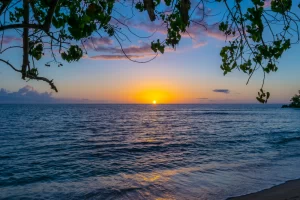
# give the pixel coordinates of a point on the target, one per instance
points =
(25, 38)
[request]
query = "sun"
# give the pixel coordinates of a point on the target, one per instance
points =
(154, 102)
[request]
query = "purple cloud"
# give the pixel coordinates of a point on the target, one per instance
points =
(95, 42)
(118, 57)
(267, 3)
(9, 39)
(28, 95)
(225, 91)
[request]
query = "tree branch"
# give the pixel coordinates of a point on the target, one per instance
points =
(5, 3)
(50, 13)
(10, 47)
(53, 87)
(6, 62)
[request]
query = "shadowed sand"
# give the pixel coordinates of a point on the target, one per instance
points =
(289, 190)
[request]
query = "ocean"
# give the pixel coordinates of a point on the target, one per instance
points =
(155, 152)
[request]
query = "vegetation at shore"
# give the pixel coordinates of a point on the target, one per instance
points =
(295, 102)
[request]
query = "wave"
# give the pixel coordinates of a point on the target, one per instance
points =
(110, 193)
(235, 113)
(287, 140)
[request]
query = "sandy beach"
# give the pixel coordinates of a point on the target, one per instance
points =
(289, 190)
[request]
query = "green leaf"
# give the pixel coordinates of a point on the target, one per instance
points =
(74, 53)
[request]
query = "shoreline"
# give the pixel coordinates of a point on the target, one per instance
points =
(289, 190)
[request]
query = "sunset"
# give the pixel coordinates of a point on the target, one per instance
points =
(150, 99)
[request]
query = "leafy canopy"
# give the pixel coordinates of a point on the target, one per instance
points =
(258, 34)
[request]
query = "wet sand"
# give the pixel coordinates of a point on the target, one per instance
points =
(289, 190)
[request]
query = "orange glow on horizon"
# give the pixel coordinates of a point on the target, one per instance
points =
(158, 91)
(146, 95)
(163, 91)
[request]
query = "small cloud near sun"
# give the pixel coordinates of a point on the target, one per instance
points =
(225, 91)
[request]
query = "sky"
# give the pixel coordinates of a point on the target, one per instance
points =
(190, 74)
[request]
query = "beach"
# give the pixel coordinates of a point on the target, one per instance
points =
(289, 190)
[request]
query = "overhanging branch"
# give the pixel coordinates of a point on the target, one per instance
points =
(50, 14)
(5, 3)
(32, 77)
(6, 62)
(50, 82)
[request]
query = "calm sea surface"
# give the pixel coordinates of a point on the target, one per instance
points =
(144, 151)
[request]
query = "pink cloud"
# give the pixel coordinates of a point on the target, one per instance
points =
(95, 42)
(210, 31)
(267, 3)
(119, 57)
(133, 52)
(199, 44)
(217, 35)
(9, 39)
(144, 48)
(194, 31)
(149, 27)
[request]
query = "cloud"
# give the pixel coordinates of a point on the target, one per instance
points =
(144, 48)
(95, 42)
(134, 49)
(225, 91)
(152, 27)
(9, 39)
(199, 44)
(133, 52)
(109, 51)
(118, 57)
(112, 52)
(202, 98)
(196, 30)
(211, 31)
(28, 95)
(267, 3)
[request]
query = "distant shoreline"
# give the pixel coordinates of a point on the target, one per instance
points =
(289, 106)
(290, 190)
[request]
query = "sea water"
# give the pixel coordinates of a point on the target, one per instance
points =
(145, 151)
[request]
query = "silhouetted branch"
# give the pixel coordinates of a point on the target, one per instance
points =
(10, 48)
(50, 82)
(6, 62)
(5, 3)
(129, 57)
(49, 16)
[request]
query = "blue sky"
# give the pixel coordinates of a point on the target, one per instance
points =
(191, 74)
